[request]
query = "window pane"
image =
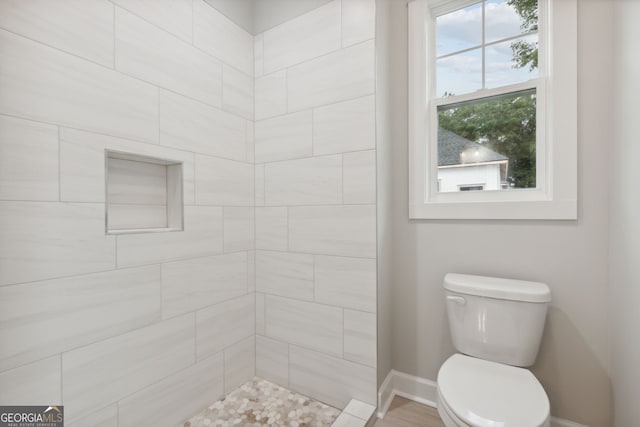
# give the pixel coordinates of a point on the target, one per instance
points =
(502, 20)
(488, 144)
(458, 74)
(459, 30)
(502, 66)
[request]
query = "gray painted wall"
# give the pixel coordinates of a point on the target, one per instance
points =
(239, 11)
(625, 226)
(384, 183)
(256, 16)
(570, 256)
(269, 13)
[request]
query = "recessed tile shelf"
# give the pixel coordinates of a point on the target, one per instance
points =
(143, 194)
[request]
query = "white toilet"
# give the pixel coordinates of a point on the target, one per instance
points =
(496, 324)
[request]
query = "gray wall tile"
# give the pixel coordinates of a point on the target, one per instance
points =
(110, 370)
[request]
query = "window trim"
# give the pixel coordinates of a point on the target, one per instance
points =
(556, 147)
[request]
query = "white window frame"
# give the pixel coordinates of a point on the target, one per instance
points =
(555, 195)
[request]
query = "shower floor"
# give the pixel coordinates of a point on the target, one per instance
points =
(259, 403)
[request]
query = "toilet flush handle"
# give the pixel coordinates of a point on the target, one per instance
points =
(456, 299)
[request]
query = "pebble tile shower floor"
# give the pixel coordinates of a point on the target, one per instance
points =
(259, 403)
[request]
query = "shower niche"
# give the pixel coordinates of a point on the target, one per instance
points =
(143, 194)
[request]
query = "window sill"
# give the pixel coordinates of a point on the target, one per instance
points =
(142, 230)
(530, 210)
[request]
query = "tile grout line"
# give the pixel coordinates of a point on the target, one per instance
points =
(117, 403)
(323, 55)
(153, 384)
(313, 132)
(343, 333)
(162, 304)
(125, 138)
(242, 162)
(323, 353)
(59, 166)
(286, 90)
(57, 49)
(317, 107)
(180, 39)
(173, 260)
(130, 76)
(193, 23)
(159, 117)
(341, 31)
(342, 178)
(195, 180)
(113, 270)
(288, 364)
(288, 227)
(313, 271)
(222, 103)
(222, 229)
(88, 344)
(195, 336)
(283, 251)
(61, 380)
(323, 304)
(308, 205)
(264, 186)
(248, 274)
(114, 35)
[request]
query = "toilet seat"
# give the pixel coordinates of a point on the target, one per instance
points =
(446, 414)
(480, 393)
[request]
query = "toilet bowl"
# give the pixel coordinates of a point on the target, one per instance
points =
(496, 325)
(480, 393)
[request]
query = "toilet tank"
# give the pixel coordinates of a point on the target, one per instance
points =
(495, 319)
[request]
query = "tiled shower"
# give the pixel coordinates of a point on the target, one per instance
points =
(273, 273)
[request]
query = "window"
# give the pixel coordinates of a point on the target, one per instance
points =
(493, 100)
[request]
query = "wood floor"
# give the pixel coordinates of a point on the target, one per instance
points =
(406, 413)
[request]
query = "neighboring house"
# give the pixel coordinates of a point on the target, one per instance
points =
(464, 165)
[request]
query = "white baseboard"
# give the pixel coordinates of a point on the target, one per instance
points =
(414, 388)
(424, 391)
(559, 422)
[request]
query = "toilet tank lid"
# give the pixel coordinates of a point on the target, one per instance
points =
(494, 287)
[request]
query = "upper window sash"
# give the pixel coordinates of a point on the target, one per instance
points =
(437, 8)
(441, 7)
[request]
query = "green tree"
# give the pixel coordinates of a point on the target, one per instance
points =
(526, 53)
(505, 124)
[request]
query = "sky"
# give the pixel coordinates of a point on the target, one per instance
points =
(462, 73)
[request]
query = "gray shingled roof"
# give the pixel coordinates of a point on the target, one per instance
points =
(451, 147)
